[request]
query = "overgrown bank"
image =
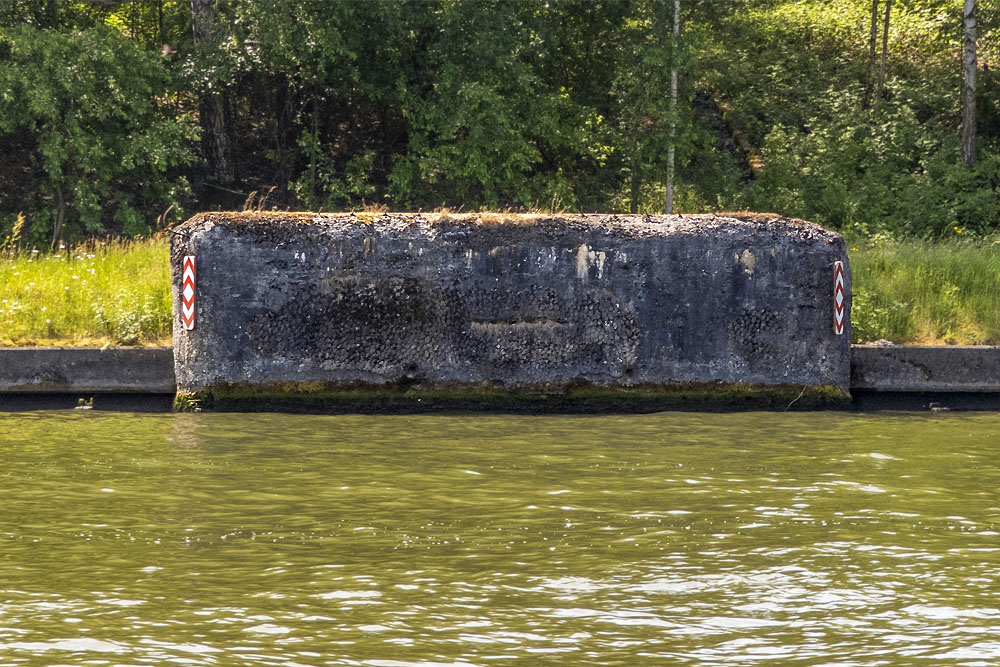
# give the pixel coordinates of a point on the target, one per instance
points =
(98, 293)
(914, 292)
(937, 293)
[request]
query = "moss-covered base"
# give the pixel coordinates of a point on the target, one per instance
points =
(315, 397)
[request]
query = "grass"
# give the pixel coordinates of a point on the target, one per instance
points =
(927, 292)
(99, 293)
(118, 293)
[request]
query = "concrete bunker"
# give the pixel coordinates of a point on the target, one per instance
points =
(473, 310)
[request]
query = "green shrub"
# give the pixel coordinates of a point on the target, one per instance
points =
(94, 107)
(129, 319)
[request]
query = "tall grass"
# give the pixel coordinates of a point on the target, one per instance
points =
(98, 293)
(937, 293)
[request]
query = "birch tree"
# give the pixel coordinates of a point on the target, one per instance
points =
(969, 84)
(872, 42)
(885, 53)
(668, 206)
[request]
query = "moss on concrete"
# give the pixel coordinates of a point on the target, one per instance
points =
(410, 397)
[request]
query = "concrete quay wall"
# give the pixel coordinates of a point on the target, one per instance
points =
(87, 370)
(474, 303)
(926, 368)
(882, 375)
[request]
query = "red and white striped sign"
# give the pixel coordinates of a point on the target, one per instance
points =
(838, 298)
(187, 293)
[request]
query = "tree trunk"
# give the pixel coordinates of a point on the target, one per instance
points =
(668, 206)
(969, 84)
(216, 146)
(159, 23)
(885, 53)
(872, 42)
(636, 185)
(60, 216)
(312, 152)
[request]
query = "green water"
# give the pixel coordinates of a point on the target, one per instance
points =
(751, 539)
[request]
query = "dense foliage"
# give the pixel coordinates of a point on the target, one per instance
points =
(118, 116)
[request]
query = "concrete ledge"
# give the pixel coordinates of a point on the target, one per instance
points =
(902, 368)
(86, 400)
(868, 400)
(882, 377)
(62, 370)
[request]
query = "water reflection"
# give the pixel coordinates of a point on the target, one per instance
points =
(269, 539)
(184, 430)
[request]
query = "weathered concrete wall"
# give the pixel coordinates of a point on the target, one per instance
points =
(87, 370)
(509, 302)
(973, 368)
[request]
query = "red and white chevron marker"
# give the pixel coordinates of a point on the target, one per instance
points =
(187, 293)
(838, 298)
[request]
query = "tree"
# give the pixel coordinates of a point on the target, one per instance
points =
(105, 145)
(493, 117)
(668, 207)
(885, 53)
(642, 111)
(872, 41)
(216, 145)
(969, 84)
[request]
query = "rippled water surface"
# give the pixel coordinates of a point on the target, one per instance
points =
(677, 538)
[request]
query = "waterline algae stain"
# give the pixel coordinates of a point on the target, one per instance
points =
(543, 305)
(702, 539)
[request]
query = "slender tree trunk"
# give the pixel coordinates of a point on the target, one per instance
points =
(216, 147)
(885, 53)
(668, 206)
(312, 151)
(159, 23)
(969, 84)
(283, 98)
(872, 42)
(60, 216)
(636, 185)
